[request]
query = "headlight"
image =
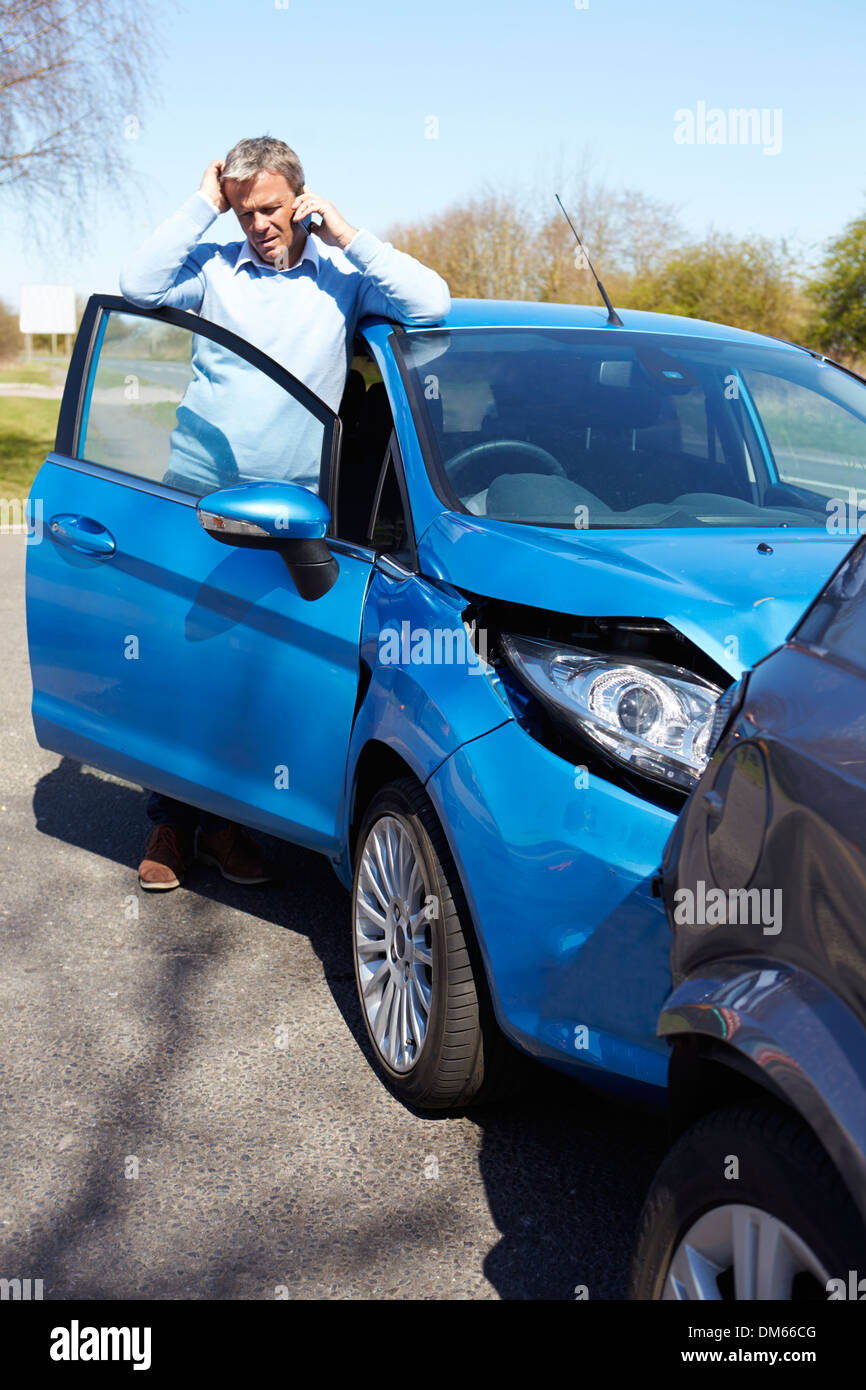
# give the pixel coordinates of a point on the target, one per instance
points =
(653, 717)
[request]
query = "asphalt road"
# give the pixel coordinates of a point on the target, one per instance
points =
(209, 1041)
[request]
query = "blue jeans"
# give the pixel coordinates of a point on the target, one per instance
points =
(164, 810)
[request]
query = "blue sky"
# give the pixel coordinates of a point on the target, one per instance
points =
(517, 90)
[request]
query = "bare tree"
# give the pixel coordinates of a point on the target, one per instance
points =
(74, 77)
(478, 245)
(11, 340)
(515, 244)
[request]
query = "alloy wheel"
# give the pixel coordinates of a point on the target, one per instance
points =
(393, 942)
(744, 1253)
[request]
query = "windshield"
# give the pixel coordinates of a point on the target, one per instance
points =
(609, 428)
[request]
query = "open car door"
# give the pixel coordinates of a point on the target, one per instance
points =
(156, 653)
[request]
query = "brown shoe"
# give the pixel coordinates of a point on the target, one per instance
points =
(166, 856)
(231, 850)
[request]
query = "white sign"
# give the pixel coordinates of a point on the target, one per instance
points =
(47, 309)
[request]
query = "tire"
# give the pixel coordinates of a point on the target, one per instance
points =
(787, 1189)
(457, 1060)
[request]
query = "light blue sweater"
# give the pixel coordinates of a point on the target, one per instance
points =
(303, 317)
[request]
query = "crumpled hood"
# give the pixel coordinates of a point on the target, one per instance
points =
(713, 586)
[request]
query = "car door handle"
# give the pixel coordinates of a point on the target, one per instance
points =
(83, 534)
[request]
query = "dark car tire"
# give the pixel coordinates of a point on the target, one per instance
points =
(462, 1058)
(783, 1171)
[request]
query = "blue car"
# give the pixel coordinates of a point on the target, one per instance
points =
(477, 665)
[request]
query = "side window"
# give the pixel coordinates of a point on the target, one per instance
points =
(814, 440)
(690, 412)
(367, 421)
(390, 527)
(175, 407)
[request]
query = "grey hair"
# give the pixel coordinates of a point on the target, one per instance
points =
(250, 157)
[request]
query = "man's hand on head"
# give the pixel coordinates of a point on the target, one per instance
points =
(211, 186)
(334, 229)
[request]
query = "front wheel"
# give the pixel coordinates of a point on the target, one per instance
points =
(746, 1207)
(422, 994)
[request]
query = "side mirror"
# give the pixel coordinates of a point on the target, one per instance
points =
(276, 516)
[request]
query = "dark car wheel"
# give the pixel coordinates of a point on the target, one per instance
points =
(421, 989)
(779, 1230)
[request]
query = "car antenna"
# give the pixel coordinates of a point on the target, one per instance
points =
(612, 316)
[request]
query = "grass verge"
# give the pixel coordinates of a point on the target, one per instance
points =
(27, 430)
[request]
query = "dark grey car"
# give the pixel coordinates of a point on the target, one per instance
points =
(763, 1195)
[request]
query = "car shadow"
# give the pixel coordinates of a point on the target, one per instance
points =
(565, 1168)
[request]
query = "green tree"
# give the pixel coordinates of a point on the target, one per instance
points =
(838, 293)
(749, 283)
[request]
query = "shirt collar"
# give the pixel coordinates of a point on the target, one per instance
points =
(249, 253)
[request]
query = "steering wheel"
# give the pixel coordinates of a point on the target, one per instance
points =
(459, 468)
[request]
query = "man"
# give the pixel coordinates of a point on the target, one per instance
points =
(297, 297)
